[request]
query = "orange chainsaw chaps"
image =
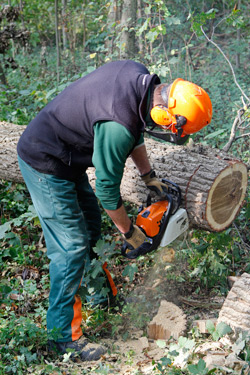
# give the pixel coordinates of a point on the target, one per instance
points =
(111, 281)
(150, 218)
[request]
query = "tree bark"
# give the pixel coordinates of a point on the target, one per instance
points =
(235, 310)
(213, 183)
(64, 33)
(128, 21)
(2, 75)
(58, 57)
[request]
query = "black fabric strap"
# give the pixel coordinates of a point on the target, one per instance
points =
(169, 137)
(128, 234)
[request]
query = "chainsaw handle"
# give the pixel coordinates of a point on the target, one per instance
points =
(175, 192)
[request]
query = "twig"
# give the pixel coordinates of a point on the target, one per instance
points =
(243, 242)
(105, 324)
(242, 135)
(200, 304)
(236, 124)
(229, 63)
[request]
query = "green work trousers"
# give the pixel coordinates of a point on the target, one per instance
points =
(71, 221)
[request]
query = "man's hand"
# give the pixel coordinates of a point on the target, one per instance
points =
(154, 184)
(136, 243)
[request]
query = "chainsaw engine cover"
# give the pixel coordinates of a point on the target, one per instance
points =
(150, 219)
(159, 224)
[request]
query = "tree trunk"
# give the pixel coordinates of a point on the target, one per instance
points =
(3, 79)
(64, 33)
(128, 21)
(213, 183)
(58, 57)
(112, 18)
(237, 60)
(140, 44)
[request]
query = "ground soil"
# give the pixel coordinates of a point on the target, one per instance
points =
(129, 352)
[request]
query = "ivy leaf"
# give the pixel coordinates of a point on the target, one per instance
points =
(199, 369)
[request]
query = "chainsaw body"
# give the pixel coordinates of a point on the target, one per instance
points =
(163, 221)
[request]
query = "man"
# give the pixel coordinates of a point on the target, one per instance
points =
(97, 121)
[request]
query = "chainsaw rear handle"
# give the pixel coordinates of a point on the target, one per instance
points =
(175, 192)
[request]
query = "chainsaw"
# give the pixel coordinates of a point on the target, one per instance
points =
(163, 220)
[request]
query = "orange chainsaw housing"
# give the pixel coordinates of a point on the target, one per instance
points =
(150, 218)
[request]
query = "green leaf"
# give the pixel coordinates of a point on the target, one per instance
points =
(238, 346)
(161, 343)
(5, 228)
(210, 326)
(24, 92)
(223, 329)
(50, 93)
(215, 336)
(166, 361)
(214, 134)
(199, 369)
(143, 27)
(248, 212)
(103, 248)
(96, 268)
(186, 343)
(130, 271)
(5, 289)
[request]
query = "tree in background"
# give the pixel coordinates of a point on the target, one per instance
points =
(158, 33)
(128, 24)
(10, 34)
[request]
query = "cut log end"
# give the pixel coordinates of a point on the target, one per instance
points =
(226, 196)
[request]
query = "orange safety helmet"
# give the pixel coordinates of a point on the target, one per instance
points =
(188, 107)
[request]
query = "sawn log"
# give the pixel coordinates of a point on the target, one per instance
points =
(213, 183)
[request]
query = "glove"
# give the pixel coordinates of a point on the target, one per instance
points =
(136, 243)
(154, 184)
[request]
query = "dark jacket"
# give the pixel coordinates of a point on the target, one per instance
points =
(59, 140)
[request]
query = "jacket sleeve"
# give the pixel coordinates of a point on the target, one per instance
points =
(112, 145)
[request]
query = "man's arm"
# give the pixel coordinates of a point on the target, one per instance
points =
(120, 218)
(140, 158)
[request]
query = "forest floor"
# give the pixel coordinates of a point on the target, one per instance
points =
(129, 353)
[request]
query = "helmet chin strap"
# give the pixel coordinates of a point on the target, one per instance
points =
(169, 137)
(175, 138)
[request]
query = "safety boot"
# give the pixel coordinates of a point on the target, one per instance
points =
(81, 348)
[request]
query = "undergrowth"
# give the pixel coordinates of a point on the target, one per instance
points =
(205, 259)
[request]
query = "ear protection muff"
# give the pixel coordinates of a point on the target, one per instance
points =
(161, 116)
